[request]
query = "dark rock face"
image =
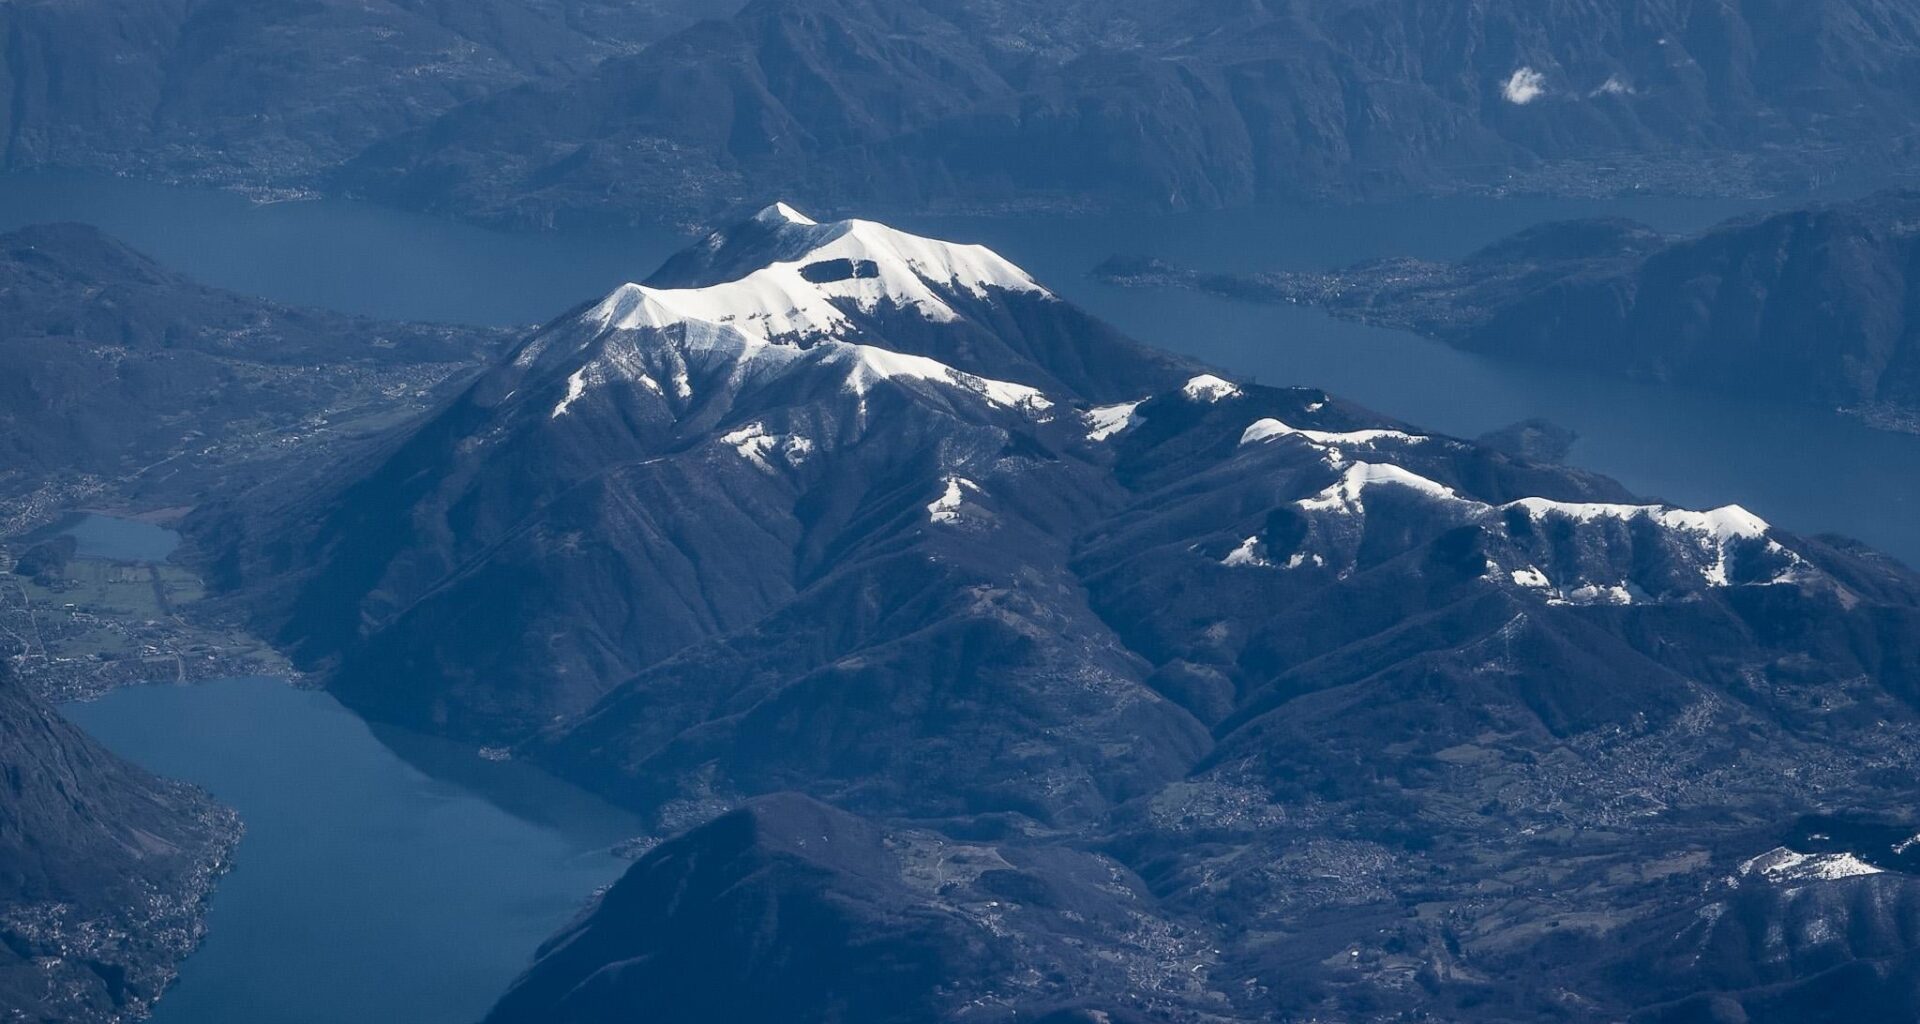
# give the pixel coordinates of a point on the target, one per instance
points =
(104, 869)
(111, 365)
(1127, 689)
(1156, 105)
(1814, 306)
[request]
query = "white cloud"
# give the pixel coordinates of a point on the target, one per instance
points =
(1524, 87)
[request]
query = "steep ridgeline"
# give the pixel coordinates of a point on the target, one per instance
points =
(1112, 687)
(673, 464)
(1170, 104)
(1819, 305)
(104, 870)
(115, 368)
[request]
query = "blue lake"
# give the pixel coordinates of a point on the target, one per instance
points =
(366, 889)
(121, 540)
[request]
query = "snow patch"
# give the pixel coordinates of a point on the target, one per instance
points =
(1530, 577)
(576, 386)
(1595, 593)
(755, 444)
(1345, 495)
(867, 364)
(1248, 553)
(946, 508)
(1107, 420)
(1783, 865)
(1268, 429)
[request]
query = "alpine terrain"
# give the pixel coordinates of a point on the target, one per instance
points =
(969, 661)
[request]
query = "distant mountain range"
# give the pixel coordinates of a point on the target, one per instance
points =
(1815, 306)
(544, 112)
(969, 661)
(104, 870)
(267, 93)
(1152, 104)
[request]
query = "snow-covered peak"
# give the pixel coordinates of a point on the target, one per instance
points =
(1346, 493)
(801, 304)
(781, 213)
(1268, 429)
(818, 273)
(1210, 389)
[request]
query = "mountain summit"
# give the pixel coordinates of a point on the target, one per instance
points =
(899, 596)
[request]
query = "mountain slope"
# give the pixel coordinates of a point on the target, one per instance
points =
(728, 458)
(113, 367)
(103, 869)
(1814, 306)
(265, 94)
(1225, 702)
(1150, 104)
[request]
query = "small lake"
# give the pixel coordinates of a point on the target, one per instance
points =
(1804, 469)
(119, 540)
(366, 889)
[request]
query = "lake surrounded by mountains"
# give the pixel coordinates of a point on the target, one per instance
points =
(391, 877)
(365, 888)
(1800, 468)
(384, 875)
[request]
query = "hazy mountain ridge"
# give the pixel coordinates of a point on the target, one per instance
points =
(1347, 717)
(266, 94)
(545, 112)
(963, 106)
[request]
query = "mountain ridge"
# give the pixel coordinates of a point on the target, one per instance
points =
(1233, 680)
(1813, 305)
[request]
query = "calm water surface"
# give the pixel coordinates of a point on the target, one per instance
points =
(365, 889)
(121, 540)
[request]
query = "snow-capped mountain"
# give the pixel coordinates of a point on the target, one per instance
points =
(1100, 660)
